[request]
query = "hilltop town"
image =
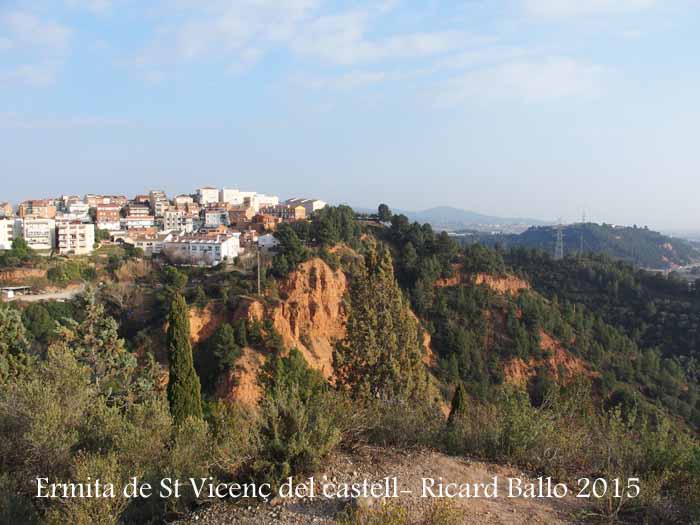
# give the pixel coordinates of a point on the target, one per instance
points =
(207, 227)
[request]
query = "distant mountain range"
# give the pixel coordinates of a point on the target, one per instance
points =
(450, 218)
(640, 246)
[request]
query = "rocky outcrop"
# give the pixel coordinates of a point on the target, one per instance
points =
(505, 285)
(562, 365)
(205, 321)
(310, 314)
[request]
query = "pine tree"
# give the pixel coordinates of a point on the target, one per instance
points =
(459, 403)
(184, 393)
(381, 356)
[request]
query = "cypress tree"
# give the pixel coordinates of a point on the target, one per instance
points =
(459, 402)
(183, 387)
(380, 356)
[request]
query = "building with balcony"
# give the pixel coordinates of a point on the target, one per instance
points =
(203, 249)
(39, 234)
(75, 237)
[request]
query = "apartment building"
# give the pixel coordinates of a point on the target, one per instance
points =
(207, 195)
(208, 250)
(138, 210)
(40, 234)
(78, 209)
(310, 205)
(178, 220)
(158, 201)
(136, 221)
(75, 237)
(151, 243)
(183, 201)
(214, 217)
(108, 216)
(37, 209)
(240, 215)
(9, 230)
(285, 212)
(93, 200)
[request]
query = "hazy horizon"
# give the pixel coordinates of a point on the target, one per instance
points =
(518, 108)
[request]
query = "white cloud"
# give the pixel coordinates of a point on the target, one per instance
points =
(567, 8)
(37, 75)
(23, 30)
(32, 48)
(342, 39)
(530, 81)
(245, 31)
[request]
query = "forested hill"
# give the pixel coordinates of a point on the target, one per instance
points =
(640, 246)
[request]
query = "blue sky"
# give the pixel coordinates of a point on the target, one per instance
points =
(540, 108)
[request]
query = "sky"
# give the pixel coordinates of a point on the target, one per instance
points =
(534, 108)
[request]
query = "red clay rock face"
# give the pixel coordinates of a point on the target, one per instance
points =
(563, 366)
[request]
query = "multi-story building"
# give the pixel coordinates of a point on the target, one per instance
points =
(310, 205)
(178, 220)
(159, 202)
(37, 209)
(75, 237)
(207, 195)
(240, 215)
(142, 199)
(204, 249)
(66, 200)
(286, 212)
(136, 221)
(107, 216)
(214, 217)
(40, 234)
(183, 201)
(78, 209)
(93, 200)
(10, 228)
(230, 196)
(151, 242)
(138, 210)
(6, 209)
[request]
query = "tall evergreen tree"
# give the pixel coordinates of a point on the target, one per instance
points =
(381, 356)
(459, 402)
(184, 393)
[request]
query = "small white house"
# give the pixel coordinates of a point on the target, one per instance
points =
(208, 250)
(267, 242)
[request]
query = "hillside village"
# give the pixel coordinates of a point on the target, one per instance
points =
(207, 227)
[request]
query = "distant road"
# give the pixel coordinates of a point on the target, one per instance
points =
(64, 295)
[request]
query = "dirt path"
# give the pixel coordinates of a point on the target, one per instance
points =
(409, 467)
(63, 295)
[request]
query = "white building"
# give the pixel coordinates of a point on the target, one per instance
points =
(207, 195)
(40, 234)
(158, 202)
(149, 243)
(236, 197)
(136, 221)
(78, 209)
(9, 230)
(215, 217)
(267, 242)
(178, 220)
(183, 200)
(209, 250)
(310, 205)
(75, 237)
